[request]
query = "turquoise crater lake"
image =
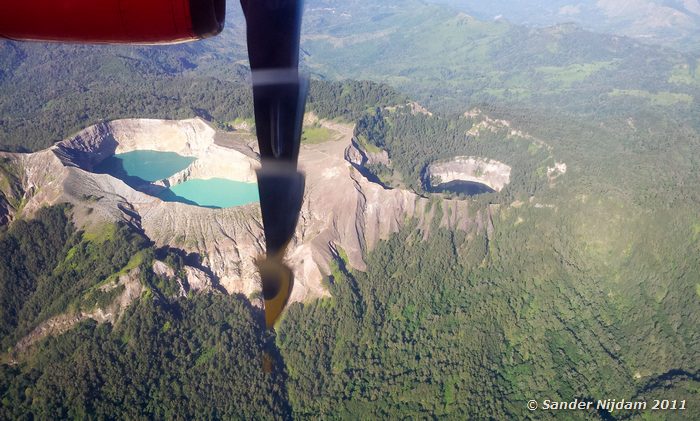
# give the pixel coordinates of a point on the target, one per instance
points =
(212, 193)
(139, 169)
(147, 166)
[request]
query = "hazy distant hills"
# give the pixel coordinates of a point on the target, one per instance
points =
(84, 63)
(671, 22)
(449, 59)
(444, 58)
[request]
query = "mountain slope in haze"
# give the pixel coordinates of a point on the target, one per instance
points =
(449, 60)
(674, 23)
(49, 91)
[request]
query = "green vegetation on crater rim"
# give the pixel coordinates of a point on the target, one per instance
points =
(415, 140)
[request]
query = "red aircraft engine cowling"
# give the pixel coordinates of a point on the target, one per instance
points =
(111, 21)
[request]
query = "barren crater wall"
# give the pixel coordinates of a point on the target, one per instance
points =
(88, 148)
(342, 209)
(489, 172)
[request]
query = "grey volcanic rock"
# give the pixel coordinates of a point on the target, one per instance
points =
(7, 212)
(358, 155)
(341, 209)
(196, 279)
(162, 269)
(39, 176)
(88, 148)
(227, 239)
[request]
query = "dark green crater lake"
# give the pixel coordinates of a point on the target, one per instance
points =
(468, 188)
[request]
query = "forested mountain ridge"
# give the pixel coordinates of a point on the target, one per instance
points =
(442, 328)
(457, 314)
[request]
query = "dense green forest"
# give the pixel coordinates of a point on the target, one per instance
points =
(30, 250)
(50, 268)
(189, 358)
(465, 326)
(164, 358)
(53, 113)
(458, 325)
